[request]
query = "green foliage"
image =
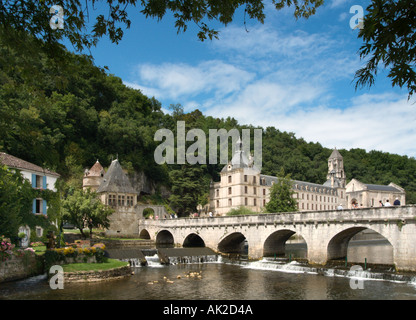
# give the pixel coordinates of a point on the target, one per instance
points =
(65, 118)
(16, 196)
(389, 38)
(281, 195)
(83, 208)
(188, 186)
(241, 210)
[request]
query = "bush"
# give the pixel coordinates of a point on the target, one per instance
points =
(53, 256)
(240, 211)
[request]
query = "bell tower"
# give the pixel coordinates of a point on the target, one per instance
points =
(336, 173)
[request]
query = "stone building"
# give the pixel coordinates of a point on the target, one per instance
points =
(115, 190)
(368, 195)
(242, 184)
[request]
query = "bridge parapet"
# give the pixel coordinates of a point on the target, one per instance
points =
(365, 215)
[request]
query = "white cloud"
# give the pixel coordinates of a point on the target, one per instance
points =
(178, 80)
(292, 81)
(371, 122)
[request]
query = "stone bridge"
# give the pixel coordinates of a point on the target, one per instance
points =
(326, 233)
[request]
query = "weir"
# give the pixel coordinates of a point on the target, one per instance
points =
(134, 256)
(186, 255)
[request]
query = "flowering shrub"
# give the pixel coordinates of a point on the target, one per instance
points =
(37, 244)
(7, 250)
(60, 254)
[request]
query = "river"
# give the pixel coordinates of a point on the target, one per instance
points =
(223, 280)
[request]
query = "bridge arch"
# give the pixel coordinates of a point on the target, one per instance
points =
(144, 234)
(193, 240)
(164, 238)
(275, 243)
(235, 242)
(338, 244)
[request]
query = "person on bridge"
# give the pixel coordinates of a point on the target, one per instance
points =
(396, 202)
(340, 207)
(387, 204)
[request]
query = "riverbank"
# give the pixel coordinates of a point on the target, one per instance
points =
(93, 272)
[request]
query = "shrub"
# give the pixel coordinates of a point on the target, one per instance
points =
(240, 211)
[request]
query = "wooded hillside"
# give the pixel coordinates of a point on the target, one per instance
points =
(66, 114)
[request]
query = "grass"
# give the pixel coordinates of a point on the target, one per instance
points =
(39, 250)
(110, 264)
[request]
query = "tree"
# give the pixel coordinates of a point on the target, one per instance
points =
(388, 33)
(188, 185)
(389, 36)
(281, 195)
(84, 209)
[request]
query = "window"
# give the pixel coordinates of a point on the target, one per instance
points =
(245, 201)
(245, 189)
(39, 232)
(264, 192)
(264, 203)
(39, 206)
(229, 190)
(218, 192)
(38, 182)
(229, 179)
(112, 200)
(230, 203)
(254, 190)
(245, 178)
(254, 180)
(218, 203)
(120, 201)
(255, 202)
(129, 202)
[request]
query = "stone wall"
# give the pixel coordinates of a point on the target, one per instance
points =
(16, 268)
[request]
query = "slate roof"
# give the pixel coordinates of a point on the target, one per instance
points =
(377, 187)
(96, 170)
(20, 164)
(335, 154)
(115, 180)
(300, 184)
(239, 159)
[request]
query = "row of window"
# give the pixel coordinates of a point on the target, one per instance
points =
(302, 206)
(120, 200)
(318, 198)
(246, 202)
(217, 191)
(230, 179)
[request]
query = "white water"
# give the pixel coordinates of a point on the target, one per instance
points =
(296, 267)
(291, 267)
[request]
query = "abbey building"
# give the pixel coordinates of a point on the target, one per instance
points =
(242, 184)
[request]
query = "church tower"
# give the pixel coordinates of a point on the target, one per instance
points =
(336, 173)
(93, 177)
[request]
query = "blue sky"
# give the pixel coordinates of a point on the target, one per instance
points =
(295, 75)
